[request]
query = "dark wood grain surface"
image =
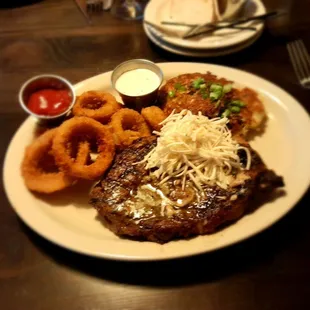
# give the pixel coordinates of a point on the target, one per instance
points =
(269, 271)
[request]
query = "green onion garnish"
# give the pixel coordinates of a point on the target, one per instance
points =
(226, 113)
(180, 87)
(215, 95)
(204, 93)
(235, 109)
(217, 103)
(216, 88)
(227, 88)
(196, 83)
(238, 103)
(216, 91)
(202, 86)
(171, 93)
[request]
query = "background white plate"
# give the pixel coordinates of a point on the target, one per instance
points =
(197, 52)
(156, 11)
(68, 221)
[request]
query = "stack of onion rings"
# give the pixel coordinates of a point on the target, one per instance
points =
(38, 167)
(59, 157)
(128, 125)
(89, 131)
(97, 105)
(153, 115)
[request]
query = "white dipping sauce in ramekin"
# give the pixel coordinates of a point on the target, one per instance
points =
(137, 82)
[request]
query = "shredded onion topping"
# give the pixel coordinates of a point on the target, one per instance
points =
(196, 148)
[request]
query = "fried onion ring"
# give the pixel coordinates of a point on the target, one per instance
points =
(87, 133)
(97, 105)
(39, 169)
(128, 125)
(83, 153)
(153, 116)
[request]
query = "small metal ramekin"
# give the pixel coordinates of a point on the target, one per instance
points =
(137, 102)
(40, 82)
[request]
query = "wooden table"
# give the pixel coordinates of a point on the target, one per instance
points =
(269, 271)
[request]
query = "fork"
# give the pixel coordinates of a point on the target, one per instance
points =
(94, 6)
(301, 61)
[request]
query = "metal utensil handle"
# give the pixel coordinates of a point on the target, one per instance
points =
(229, 25)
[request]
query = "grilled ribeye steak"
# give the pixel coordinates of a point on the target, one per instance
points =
(134, 205)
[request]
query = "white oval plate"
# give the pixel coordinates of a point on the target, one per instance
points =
(195, 52)
(158, 10)
(67, 220)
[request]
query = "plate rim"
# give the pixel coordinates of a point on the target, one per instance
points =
(198, 53)
(125, 257)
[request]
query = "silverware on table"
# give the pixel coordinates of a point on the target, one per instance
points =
(94, 6)
(301, 61)
(87, 7)
(171, 33)
(211, 27)
(178, 24)
(166, 32)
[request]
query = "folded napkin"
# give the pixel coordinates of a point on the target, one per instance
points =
(185, 11)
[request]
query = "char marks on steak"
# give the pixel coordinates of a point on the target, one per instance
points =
(131, 205)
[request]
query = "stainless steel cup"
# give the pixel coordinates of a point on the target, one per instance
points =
(45, 81)
(137, 102)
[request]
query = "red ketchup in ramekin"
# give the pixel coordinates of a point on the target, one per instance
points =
(49, 101)
(47, 97)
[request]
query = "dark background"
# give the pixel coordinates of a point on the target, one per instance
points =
(269, 271)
